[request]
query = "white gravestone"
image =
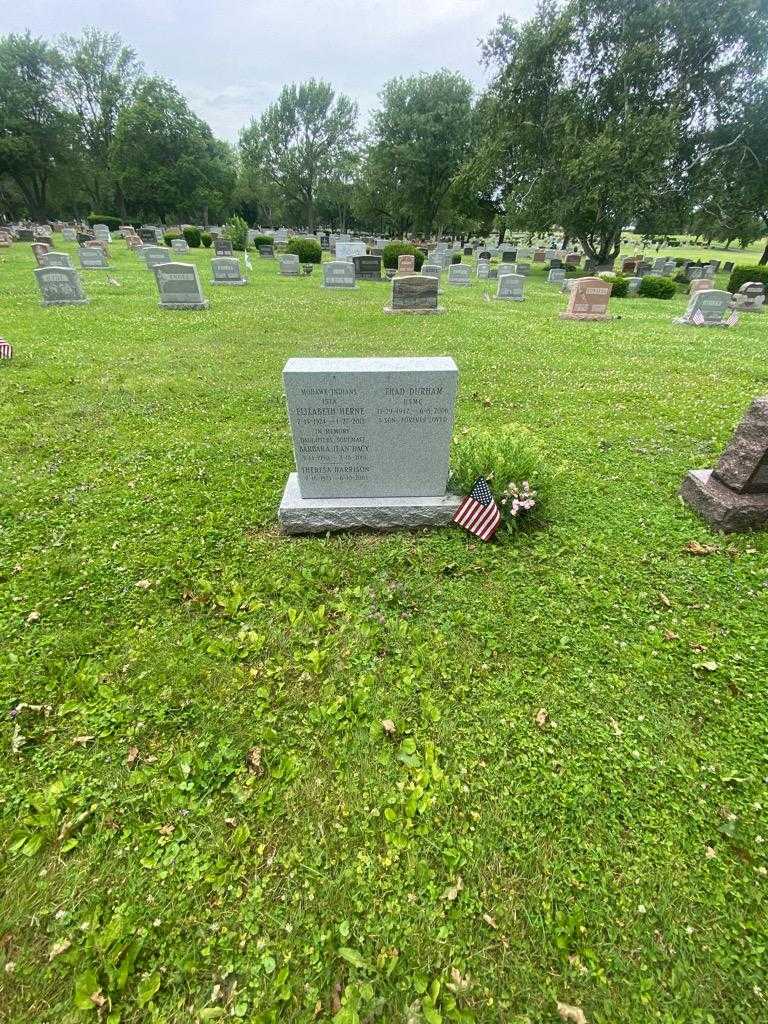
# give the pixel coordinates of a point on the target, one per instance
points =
(371, 440)
(101, 233)
(338, 274)
(60, 286)
(226, 270)
(556, 277)
(633, 285)
(483, 270)
(346, 250)
(510, 287)
(458, 273)
(179, 286)
(289, 265)
(69, 234)
(179, 245)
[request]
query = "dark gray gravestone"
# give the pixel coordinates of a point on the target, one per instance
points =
(25, 235)
(92, 258)
(223, 247)
(728, 268)
(226, 270)
(60, 286)
(707, 308)
(267, 252)
(733, 497)
(750, 298)
(179, 286)
(468, 250)
(148, 235)
(56, 259)
(414, 293)
(367, 268)
(509, 256)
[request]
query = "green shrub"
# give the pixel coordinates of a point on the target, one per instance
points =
(391, 252)
(113, 223)
(456, 258)
(679, 261)
(236, 230)
(619, 284)
(508, 457)
(307, 249)
(206, 238)
(168, 236)
(652, 287)
(263, 240)
(739, 275)
(193, 237)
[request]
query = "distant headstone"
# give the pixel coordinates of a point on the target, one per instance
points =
(69, 234)
(289, 264)
(101, 232)
(458, 273)
(701, 284)
(155, 255)
(431, 270)
(406, 264)
(633, 286)
(750, 298)
(56, 259)
(39, 249)
(556, 276)
(483, 269)
(510, 287)
(707, 308)
(658, 265)
(226, 270)
(25, 235)
(267, 252)
(60, 286)
(371, 440)
(92, 258)
(179, 286)
(180, 245)
(728, 268)
(733, 497)
(367, 268)
(338, 274)
(669, 268)
(521, 268)
(345, 250)
(414, 293)
(588, 300)
(694, 273)
(148, 235)
(223, 247)
(468, 250)
(484, 254)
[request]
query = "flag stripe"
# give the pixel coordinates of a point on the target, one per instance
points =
(478, 513)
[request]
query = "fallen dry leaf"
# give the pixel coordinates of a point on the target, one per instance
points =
(452, 892)
(458, 984)
(615, 726)
(58, 948)
(143, 584)
(490, 921)
(388, 726)
(33, 617)
(694, 548)
(132, 757)
(669, 635)
(709, 853)
(166, 830)
(571, 1014)
(541, 718)
(664, 599)
(98, 999)
(81, 741)
(253, 761)
(708, 666)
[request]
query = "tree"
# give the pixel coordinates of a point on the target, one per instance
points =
(597, 110)
(100, 74)
(165, 159)
(36, 133)
(420, 139)
(300, 141)
(732, 190)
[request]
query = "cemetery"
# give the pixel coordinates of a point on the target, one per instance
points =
(384, 599)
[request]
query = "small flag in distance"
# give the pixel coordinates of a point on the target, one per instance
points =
(6, 349)
(478, 513)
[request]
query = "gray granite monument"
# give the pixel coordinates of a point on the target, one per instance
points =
(750, 298)
(367, 268)
(289, 264)
(458, 273)
(56, 259)
(733, 497)
(510, 287)
(60, 286)
(371, 440)
(226, 270)
(223, 247)
(179, 286)
(556, 276)
(338, 274)
(709, 307)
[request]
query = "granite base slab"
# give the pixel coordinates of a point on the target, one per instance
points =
(440, 309)
(236, 284)
(586, 316)
(183, 305)
(299, 515)
(69, 302)
(722, 508)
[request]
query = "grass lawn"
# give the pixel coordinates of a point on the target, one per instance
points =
(475, 866)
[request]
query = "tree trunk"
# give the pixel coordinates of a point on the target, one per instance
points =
(205, 216)
(502, 233)
(764, 258)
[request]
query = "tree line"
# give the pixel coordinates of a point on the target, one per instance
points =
(597, 117)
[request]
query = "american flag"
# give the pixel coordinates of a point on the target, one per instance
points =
(698, 318)
(733, 319)
(478, 513)
(248, 263)
(6, 349)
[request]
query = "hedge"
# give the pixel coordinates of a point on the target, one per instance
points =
(113, 223)
(307, 249)
(206, 238)
(618, 282)
(193, 237)
(740, 275)
(391, 252)
(263, 240)
(653, 287)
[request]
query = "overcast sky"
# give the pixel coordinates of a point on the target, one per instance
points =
(230, 58)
